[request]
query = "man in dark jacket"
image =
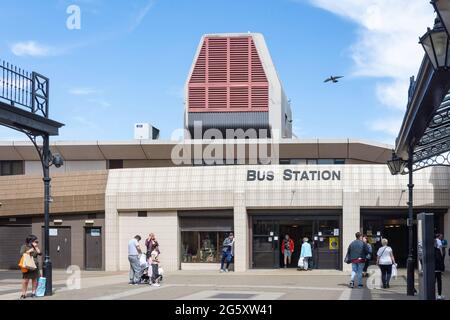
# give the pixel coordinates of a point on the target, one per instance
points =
(357, 253)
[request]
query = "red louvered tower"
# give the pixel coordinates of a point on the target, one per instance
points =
(233, 85)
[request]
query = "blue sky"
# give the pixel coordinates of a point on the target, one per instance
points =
(129, 61)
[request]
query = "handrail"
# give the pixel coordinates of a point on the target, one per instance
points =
(24, 89)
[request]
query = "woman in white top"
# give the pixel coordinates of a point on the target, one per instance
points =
(385, 260)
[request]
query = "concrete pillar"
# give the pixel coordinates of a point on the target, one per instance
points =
(351, 220)
(241, 254)
(111, 235)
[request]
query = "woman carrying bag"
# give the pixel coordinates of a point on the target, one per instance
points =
(386, 262)
(31, 247)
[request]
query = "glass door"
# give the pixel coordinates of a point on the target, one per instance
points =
(265, 244)
(327, 244)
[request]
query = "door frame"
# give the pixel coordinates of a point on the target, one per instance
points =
(311, 215)
(70, 239)
(85, 228)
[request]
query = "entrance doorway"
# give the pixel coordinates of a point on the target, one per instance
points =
(296, 230)
(323, 233)
(393, 226)
(93, 248)
(60, 246)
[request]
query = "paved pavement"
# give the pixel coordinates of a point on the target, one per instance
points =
(186, 285)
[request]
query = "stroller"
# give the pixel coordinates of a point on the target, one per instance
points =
(146, 271)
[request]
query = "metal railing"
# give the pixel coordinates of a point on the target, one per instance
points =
(22, 88)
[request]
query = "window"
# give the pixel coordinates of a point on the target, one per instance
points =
(201, 247)
(311, 161)
(325, 161)
(115, 164)
(298, 161)
(339, 161)
(10, 168)
(142, 214)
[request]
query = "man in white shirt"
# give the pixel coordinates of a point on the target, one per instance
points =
(134, 250)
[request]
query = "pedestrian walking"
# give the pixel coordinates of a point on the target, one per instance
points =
(385, 261)
(30, 247)
(305, 254)
(155, 266)
(356, 254)
(287, 249)
(227, 252)
(369, 256)
(438, 269)
(134, 250)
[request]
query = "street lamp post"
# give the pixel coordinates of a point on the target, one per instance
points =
(397, 165)
(410, 261)
(47, 160)
(47, 267)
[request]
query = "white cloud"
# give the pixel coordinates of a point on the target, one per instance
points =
(141, 15)
(388, 126)
(387, 46)
(85, 122)
(31, 48)
(82, 91)
(101, 102)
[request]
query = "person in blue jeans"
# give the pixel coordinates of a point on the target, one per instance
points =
(227, 252)
(357, 253)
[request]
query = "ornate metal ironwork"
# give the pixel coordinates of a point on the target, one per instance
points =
(25, 89)
(40, 94)
(433, 149)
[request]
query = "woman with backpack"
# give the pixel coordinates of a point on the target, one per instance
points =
(385, 260)
(30, 247)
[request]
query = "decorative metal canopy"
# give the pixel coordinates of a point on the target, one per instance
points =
(433, 149)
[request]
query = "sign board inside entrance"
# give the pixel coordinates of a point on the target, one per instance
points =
(334, 243)
(95, 232)
(53, 232)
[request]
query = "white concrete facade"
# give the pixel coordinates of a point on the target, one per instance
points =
(162, 192)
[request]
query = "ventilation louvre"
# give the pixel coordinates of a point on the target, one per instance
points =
(228, 76)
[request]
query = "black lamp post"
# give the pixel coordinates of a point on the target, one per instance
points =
(47, 160)
(442, 8)
(397, 165)
(436, 45)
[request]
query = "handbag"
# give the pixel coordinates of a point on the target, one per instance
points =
(29, 263)
(301, 262)
(22, 265)
(347, 259)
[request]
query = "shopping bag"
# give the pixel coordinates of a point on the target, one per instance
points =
(301, 262)
(29, 263)
(40, 291)
(22, 265)
(394, 271)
